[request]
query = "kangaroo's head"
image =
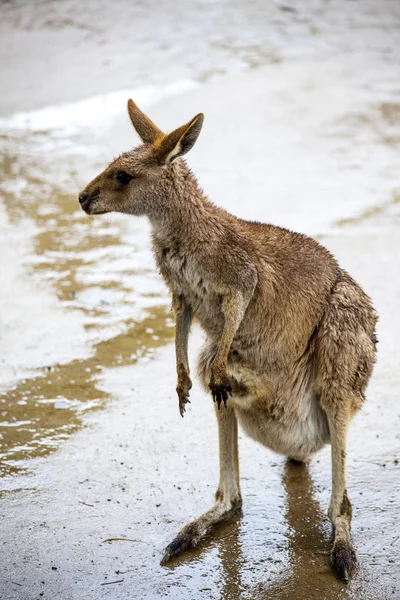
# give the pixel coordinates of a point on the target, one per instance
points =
(133, 180)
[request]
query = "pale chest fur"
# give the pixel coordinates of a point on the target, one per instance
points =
(185, 277)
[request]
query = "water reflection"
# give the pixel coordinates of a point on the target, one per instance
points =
(308, 574)
(230, 553)
(305, 559)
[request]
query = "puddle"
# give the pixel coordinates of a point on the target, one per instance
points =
(94, 271)
(40, 412)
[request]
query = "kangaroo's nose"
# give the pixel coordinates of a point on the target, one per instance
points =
(83, 196)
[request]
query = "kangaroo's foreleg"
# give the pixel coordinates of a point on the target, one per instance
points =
(343, 556)
(184, 317)
(227, 498)
(233, 307)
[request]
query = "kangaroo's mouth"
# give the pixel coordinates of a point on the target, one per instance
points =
(89, 203)
(90, 208)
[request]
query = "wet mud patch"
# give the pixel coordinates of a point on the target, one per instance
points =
(372, 213)
(63, 240)
(382, 121)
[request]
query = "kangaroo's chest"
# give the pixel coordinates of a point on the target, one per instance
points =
(183, 276)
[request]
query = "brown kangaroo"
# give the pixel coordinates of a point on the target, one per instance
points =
(290, 335)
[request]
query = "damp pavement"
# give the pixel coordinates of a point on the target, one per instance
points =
(302, 129)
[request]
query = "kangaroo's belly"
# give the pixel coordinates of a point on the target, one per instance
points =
(296, 430)
(276, 407)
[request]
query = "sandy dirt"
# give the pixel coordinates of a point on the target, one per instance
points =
(302, 129)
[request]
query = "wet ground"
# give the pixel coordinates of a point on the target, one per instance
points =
(302, 129)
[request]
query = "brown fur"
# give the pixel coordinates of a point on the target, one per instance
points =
(290, 335)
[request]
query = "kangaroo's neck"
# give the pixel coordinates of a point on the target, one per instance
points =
(184, 212)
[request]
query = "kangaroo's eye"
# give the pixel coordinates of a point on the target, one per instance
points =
(123, 177)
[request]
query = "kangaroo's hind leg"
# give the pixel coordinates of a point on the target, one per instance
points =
(345, 354)
(343, 556)
(227, 498)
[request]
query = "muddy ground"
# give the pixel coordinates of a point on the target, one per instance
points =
(302, 129)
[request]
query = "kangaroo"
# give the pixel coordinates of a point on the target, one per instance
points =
(291, 338)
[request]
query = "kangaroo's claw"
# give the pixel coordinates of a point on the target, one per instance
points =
(187, 538)
(183, 400)
(220, 392)
(182, 389)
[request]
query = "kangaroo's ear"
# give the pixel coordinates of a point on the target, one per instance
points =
(147, 130)
(180, 141)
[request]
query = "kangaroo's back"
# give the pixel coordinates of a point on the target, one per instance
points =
(295, 276)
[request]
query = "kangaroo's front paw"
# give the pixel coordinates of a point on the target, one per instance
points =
(182, 389)
(220, 386)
